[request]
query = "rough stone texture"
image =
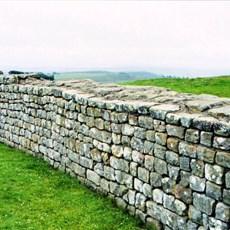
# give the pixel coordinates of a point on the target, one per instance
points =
(162, 155)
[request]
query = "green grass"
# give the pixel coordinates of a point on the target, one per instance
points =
(219, 86)
(35, 196)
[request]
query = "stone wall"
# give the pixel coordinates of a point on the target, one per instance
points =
(162, 155)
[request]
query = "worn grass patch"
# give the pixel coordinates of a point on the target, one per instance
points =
(35, 196)
(219, 86)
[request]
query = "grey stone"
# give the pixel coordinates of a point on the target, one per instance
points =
(205, 154)
(94, 177)
(192, 226)
(143, 174)
(109, 173)
(104, 185)
(168, 185)
(117, 150)
(138, 185)
(168, 202)
(192, 135)
(150, 135)
(160, 138)
(213, 190)
(185, 163)
(133, 168)
(173, 172)
(145, 122)
(137, 144)
(119, 164)
(148, 147)
(194, 215)
(149, 163)
(172, 158)
(159, 126)
(140, 201)
(223, 159)
(155, 179)
(221, 143)
(120, 203)
(160, 111)
(226, 196)
(227, 179)
(203, 203)
(222, 128)
(184, 178)
(220, 112)
(203, 123)
(197, 183)
(158, 196)
(86, 162)
(175, 131)
(160, 166)
(214, 173)
(180, 207)
(138, 157)
(206, 138)
(217, 224)
(172, 118)
(223, 212)
(133, 120)
(147, 190)
(127, 153)
(154, 210)
(172, 144)
(183, 193)
(139, 132)
(127, 130)
(187, 149)
(197, 167)
(124, 178)
(159, 151)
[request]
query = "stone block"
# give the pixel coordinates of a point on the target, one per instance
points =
(226, 196)
(147, 190)
(227, 179)
(206, 138)
(117, 150)
(203, 203)
(148, 147)
(197, 167)
(183, 193)
(160, 138)
(149, 162)
(195, 215)
(172, 158)
(146, 122)
(214, 173)
(172, 144)
(223, 212)
(192, 135)
(168, 185)
(158, 195)
(138, 157)
(150, 135)
(119, 164)
(159, 151)
(213, 190)
(139, 132)
(173, 172)
(161, 166)
(155, 179)
(138, 185)
(143, 174)
(175, 131)
(197, 183)
(94, 177)
(205, 154)
(140, 202)
(127, 130)
(223, 159)
(221, 143)
(185, 163)
(137, 144)
(187, 149)
(124, 178)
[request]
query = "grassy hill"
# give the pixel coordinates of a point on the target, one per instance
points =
(106, 76)
(219, 86)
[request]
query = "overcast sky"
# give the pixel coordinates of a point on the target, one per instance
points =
(67, 35)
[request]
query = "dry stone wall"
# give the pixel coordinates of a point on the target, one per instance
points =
(163, 156)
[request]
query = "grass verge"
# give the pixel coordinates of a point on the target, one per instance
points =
(35, 196)
(219, 86)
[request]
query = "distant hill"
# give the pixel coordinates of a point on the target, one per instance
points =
(106, 76)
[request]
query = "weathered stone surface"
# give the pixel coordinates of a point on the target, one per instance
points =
(155, 179)
(222, 129)
(203, 203)
(197, 183)
(138, 157)
(94, 177)
(175, 131)
(221, 143)
(197, 167)
(172, 158)
(214, 173)
(226, 196)
(183, 193)
(173, 172)
(137, 144)
(149, 163)
(185, 163)
(223, 159)
(160, 111)
(206, 138)
(160, 166)
(119, 164)
(146, 122)
(195, 215)
(143, 174)
(219, 112)
(223, 212)
(172, 144)
(213, 190)
(227, 179)
(192, 135)
(168, 185)
(158, 196)
(205, 154)
(161, 138)
(187, 149)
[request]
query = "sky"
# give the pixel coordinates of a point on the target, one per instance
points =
(159, 36)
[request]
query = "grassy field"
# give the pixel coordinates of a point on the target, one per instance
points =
(219, 86)
(35, 196)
